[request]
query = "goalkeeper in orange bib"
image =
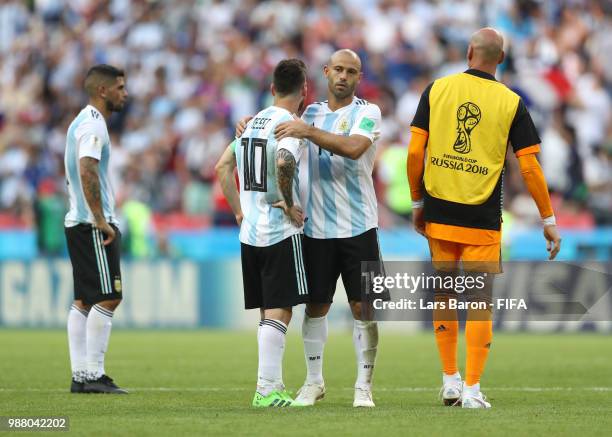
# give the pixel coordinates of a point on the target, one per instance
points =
(459, 137)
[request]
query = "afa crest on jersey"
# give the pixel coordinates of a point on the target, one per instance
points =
(344, 127)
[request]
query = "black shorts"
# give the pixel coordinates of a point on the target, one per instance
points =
(328, 259)
(95, 267)
(274, 276)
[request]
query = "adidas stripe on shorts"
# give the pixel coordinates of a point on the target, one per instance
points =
(95, 268)
(274, 276)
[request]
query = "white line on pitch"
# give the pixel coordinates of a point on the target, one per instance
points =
(380, 389)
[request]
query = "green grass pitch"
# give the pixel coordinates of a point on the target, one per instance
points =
(202, 383)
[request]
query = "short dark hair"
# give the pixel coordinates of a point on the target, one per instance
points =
(289, 76)
(101, 74)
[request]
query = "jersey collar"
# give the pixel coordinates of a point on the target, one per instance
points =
(480, 74)
(93, 108)
(281, 109)
(355, 98)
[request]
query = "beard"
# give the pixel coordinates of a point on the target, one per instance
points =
(112, 107)
(342, 94)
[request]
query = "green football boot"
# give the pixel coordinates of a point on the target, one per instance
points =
(277, 398)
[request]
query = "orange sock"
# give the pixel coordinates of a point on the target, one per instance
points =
(446, 329)
(478, 336)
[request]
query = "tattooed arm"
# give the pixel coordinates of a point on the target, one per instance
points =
(90, 180)
(285, 166)
(285, 170)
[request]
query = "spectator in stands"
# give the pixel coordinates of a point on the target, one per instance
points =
(195, 67)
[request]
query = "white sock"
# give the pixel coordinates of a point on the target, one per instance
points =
(446, 379)
(77, 342)
(99, 325)
(271, 349)
(365, 339)
(471, 390)
(314, 333)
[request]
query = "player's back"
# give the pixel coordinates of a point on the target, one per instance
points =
(470, 120)
(87, 136)
(469, 125)
(263, 224)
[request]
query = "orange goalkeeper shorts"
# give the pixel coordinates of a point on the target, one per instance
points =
(446, 256)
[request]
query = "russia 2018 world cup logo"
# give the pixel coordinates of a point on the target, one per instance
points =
(468, 116)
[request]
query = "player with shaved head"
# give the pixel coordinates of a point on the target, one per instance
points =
(341, 230)
(459, 138)
(486, 48)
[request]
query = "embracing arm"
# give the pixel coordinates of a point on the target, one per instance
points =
(225, 174)
(352, 146)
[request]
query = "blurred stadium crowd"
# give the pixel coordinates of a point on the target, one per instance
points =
(194, 67)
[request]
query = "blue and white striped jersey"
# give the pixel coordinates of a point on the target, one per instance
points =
(88, 136)
(339, 196)
(255, 150)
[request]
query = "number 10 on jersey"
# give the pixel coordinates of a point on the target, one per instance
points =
(254, 166)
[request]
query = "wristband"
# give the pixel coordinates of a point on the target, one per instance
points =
(417, 204)
(549, 221)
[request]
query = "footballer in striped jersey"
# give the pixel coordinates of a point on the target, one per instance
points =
(93, 239)
(271, 223)
(341, 207)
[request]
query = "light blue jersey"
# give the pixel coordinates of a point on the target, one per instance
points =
(88, 137)
(255, 150)
(340, 197)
